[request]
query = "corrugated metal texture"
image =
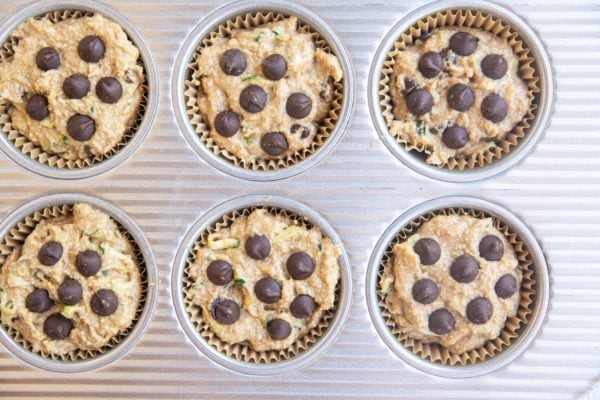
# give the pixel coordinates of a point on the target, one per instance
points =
(360, 188)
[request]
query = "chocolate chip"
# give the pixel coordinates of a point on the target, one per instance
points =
(506, 286)
(299, 128)
(464, 269)
(88, 262)
(76, 86)
(91, 49)
(441, 322)
(274, 67)
(253, 99)
(300, 265)
(460, 97)
(227, 123)
(303, 306)
(479, 310)
(258, 247)
(70, 292)
(491, 248)
(455, 137)
(50, 253)
(274, 143)
(425, 291)
(298, 105)
(233, 62)
(57, 327)
(267, 290)
(81, 127)
(429, 251)
(463, 43)
(494, 66)
(409, 86)
(424, 36)
(225, 312)
(219, 272)
(430, 64)
(109, 90)
(37, 107)
(104, 302)
(419, 101)
(494, 108)
(279, 329)
(38, 301)
(47, 58)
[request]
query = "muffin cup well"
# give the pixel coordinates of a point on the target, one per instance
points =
(240, 357)
(185, 89)
(33, 157)
(14, 229)
(519, 332)
(534, 69)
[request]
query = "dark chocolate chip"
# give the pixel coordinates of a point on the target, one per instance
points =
(37, 107)
(494, 108)
(279, 329)
(274, 143)
(429, 251)
(258, 247)
(227, 123)
(303, 306)
(253, 99)
(88, 262)
(267, 290)
(441, 322)
(233, 62)
(419, 101)
(81, 127)
(91, 49)
(455, 137)
(491, 248)
(219, 272)
(47, 58)
(305, 132)
(50, 253)
(38, 301)
(430, 64)
(506, 286)
(425, 291)
(463, 43)
(479, 310)
(70, 292)
(225, 312)
(298, 105)
(104, 302)
(464, 269)
(274, 67)
(494, 66)
(460, 97)
(76, 86)
(57, 327)
(300, 265)
(409, 86)
(109, 90)
(424, 36)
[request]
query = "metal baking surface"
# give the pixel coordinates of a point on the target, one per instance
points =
(360, 188)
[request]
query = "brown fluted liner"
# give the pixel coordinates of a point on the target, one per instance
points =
(15, 239)
(242, 351)
(435, 352)
(193, 89)
(472, 19)
(36, 152)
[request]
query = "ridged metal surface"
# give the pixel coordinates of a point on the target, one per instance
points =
(360, 189)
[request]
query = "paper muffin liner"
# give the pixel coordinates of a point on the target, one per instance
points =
(243, 351)
(466, 17)
(193, 90)
(435, 352)
(36, 152)
(16, 237)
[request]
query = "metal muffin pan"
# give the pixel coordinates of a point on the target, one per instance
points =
(42, 7)
(181, 73)
(518, 152)
(345, 292)
(10, 221)
(527, 333)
